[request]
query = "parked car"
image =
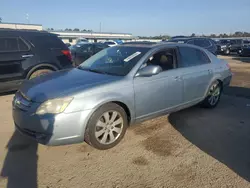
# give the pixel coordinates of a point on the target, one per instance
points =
(206, 43)
(111, 43)
(223, 47)
(115, 88)
(81, 52)
(68, 44)
(25, 54)
(178, 37)
(236, 45)
(119, 41)
(245, 51)
(82, 41)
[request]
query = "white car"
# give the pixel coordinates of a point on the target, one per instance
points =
(81, 40)
(111, 43)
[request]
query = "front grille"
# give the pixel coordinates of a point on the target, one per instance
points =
(21, 101)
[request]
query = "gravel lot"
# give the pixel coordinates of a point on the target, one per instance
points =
(192, 148)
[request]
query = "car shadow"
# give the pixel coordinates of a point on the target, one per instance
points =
(237, 91)
(223, 133)
(242, 59)
(20, 165)
(7, 93)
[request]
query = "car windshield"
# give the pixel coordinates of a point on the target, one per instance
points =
(118, 60)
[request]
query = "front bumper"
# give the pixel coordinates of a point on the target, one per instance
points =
(60, 129)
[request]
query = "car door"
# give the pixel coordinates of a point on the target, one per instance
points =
(159, 93)
(196, 71)
(13, 51)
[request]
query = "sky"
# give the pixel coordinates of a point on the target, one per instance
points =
(139, 17)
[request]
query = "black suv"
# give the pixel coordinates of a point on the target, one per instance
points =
(236, 45)
(223, 46)
(206, 43)
(25, 54)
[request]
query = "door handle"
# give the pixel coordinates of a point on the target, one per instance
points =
(177, 78)
(27, 55)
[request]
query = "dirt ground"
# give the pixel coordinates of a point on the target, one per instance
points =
(192, 148)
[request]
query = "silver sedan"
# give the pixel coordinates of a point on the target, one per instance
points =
(115, 88)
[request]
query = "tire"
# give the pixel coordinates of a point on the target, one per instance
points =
(101, 127)
(227, 52)
(213, 95)
(39, 72)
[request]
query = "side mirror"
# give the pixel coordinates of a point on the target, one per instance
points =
(149, 70)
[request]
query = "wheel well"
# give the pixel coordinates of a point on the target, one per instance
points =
(39, 68)
(126, 109)
(221, 83)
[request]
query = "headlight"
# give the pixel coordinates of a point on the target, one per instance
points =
(54, 106)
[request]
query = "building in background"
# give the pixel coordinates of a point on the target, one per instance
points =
(72, 36)
(21, 26)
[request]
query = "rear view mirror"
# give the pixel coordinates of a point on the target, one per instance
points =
(149, 70)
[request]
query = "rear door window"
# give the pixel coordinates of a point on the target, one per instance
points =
(9, 44)
(192, 57)
(48, 41)
(22, 45)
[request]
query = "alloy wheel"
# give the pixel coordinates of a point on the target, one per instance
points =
(109, 127)
(214, 94)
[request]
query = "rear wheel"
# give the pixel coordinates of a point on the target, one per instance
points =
(213, 96)
(106, 126)
(39, 73)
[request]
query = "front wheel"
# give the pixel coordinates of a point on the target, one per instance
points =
(213, 96)
(106, 126)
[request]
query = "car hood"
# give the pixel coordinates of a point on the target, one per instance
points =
(63, 83)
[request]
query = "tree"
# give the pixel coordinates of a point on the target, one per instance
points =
(69, 29)
(51, 29)
(76, 29)
(0, 20)
(84, 30)
(193, 35)
(213, 36)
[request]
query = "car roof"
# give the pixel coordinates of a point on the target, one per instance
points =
(190, 38)
(158, 45)
(26, 32)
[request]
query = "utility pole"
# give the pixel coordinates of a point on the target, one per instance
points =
(27, 18)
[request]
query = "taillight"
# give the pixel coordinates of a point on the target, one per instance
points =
(67, 53)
